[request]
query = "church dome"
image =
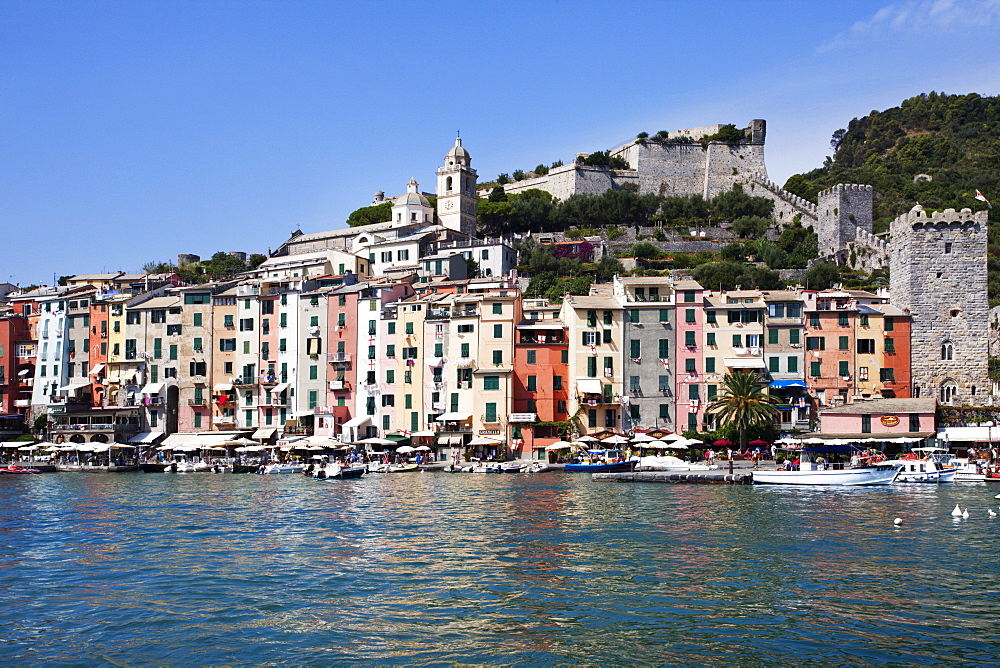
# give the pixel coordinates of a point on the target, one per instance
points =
(457, 154)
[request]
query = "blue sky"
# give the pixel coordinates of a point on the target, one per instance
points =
(134, 131)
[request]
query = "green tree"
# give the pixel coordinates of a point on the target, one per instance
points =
(821, 276)
(742, 402)
(224, 264)
(498, 194)
(255, 260)
(750, 227)
(472, 267)
(541, 170)
(518, 175)
(368, 215)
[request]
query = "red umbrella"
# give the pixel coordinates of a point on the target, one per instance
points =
(758, 442)
(723, 443)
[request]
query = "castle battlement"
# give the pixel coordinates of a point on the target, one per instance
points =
(917, 219)
(844, 188)
(780, 192)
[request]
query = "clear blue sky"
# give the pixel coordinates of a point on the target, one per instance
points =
(134, 131)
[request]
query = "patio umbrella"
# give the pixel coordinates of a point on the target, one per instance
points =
(243, 441)
(423, 433)
(758, 441)
(676, 445)
(421, 448)
(588, 439)
(642, 438)
(484, 440)
(616, 440)
(405, 449)
(723, 443)
(558, 445)
(693, 441)
(656, 445)
(672, 437)
(379, 441)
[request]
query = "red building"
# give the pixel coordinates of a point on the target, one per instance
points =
(16, 374)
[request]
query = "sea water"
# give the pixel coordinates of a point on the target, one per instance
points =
(423, 568)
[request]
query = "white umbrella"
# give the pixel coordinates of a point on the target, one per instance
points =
(419, 448)
(616, 440)
(30, 448)
(813, 441)
(405, 449)
(243, 441)
(673, 437)
(677, 445)
(423, 433)
(558, 445)
(122, 446)
(693, 441)
(250, 448)
(658, 445)
(378, 441)
(588, 439)
(642, 438)
(484, 440)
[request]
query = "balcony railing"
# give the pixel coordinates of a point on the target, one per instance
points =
(196, 402)
(338, 357)
(244, 382)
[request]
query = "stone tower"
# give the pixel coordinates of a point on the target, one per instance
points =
(842, 210)
(937, 268)
(456, 191)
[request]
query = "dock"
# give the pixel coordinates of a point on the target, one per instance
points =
(677, 477)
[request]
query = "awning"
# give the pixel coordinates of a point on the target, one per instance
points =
(23, 372)
(435, 361)
(146, 437)
(177, 439)
(152, 388)
(555, 325)
(357, 421)
(449, 440)
(264, 433)
(222, 387)
(465, 362)
(744, 362)
(787, 383)
(589, 386)
(75, 384)
(96, 369)
(279, 388)
(396, 437)
(454, 417)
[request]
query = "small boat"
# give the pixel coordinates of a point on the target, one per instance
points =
(914, 467)
(348, 473)
(537, 467)
(967, 471)
(378, 467)
(153, 467)
(602, 461)
(487, 467)
(513, 468)
(671, 463)
(276, 468)
(404, 468)
(180, 465)
(14, 469)
(812, 471)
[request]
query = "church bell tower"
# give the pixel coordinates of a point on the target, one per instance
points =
(456, 191)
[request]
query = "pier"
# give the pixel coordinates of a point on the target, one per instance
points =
(690, 477)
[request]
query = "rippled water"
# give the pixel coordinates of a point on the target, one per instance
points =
(438, 568)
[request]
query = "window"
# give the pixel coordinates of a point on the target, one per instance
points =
(227, 345)
(282, 345)
(389, 400)
(557, 382)
(532, 356)
(794, 337)
(864, 320)
(709, 365)
(466, 329)
(815, 343)
(609, 366)
(592, 367)
(947, 247)
(710, 339)
(814, 319)
(591, 418)
(532, 383)
(227, 321)
(842, 320)
(689, 339)
(497, 307)
(866, 346)
(246, 324)
(390, 376)
(283, 319)
(692, 391)
(664, 411)
(198, 369)
(491, 382)
(947, 351)
(914, 422)
(465, 350)
(890, 345)
(173, 330)
(390, 350)
(688, 296)
(776, 310)
(866, 424)
(664, 384)
(793, 364)
(843, 368)
(633, 384)
(711, 317)
(711, 391)
(814, 369)
(889, 324)
(591, 318)
(635, 349)
(633, 315)
(498, 357)
(772, 337)
(173, 352)
(664, 348)
(560, 406)
(590, 339)
(497, 331)
(689, 315)
(689, 365)
(844, 343)
(664, 316)
(609, 317)
(564, 356)
(887, 375)
(774, 364)
(197, 418)
(371, 352)
(737, 340)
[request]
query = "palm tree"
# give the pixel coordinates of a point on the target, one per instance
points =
(742, 402)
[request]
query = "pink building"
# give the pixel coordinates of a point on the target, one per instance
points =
(690, 396)
(912, 418)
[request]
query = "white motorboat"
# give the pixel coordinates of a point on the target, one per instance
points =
(280, 468)
(181, 464)
(912, 468)
(968, 471)
(813, 471)
(670, 463)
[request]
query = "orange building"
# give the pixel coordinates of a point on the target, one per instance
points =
(540, 380)
(895, 374)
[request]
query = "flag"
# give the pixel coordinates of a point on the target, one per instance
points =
(982, 198)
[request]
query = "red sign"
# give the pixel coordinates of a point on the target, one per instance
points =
(889, 420)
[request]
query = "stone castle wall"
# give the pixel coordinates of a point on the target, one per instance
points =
(786, 205)
(843, 210)
(938, 274)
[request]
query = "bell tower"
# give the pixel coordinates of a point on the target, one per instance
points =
(456, 191)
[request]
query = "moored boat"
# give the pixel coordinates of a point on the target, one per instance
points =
(814, 470)
(14, 469)
(404, 468)
(922, 466)
(601, 461)
(670, 463)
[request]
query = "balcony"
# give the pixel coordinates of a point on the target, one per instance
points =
(438, 314)
(224, 419)
(268, 380)
(340, 385)
(453, 429)
(197, 402)
(339, 358)
(587, 399)
(245, 382)
(276, 402)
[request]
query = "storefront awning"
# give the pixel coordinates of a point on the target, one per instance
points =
(75, 384)
(744, 362)
(454, 417)
(152, 388)
(264, 433)
(780, 384)
(146, 437)
(222, 387)
(279, 388)
(397, 437)
(449, 440)
(589, 386)
(97, 368)
(357, 421)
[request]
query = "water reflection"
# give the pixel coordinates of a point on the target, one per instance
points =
(490, 569)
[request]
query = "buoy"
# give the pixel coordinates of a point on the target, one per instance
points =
(997, 496)
(966, 513)
(957, 512)
(897, 521)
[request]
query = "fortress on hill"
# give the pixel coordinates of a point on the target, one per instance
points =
(936, 261)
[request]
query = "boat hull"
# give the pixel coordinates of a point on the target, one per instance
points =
(876, 475)
(600, 468)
